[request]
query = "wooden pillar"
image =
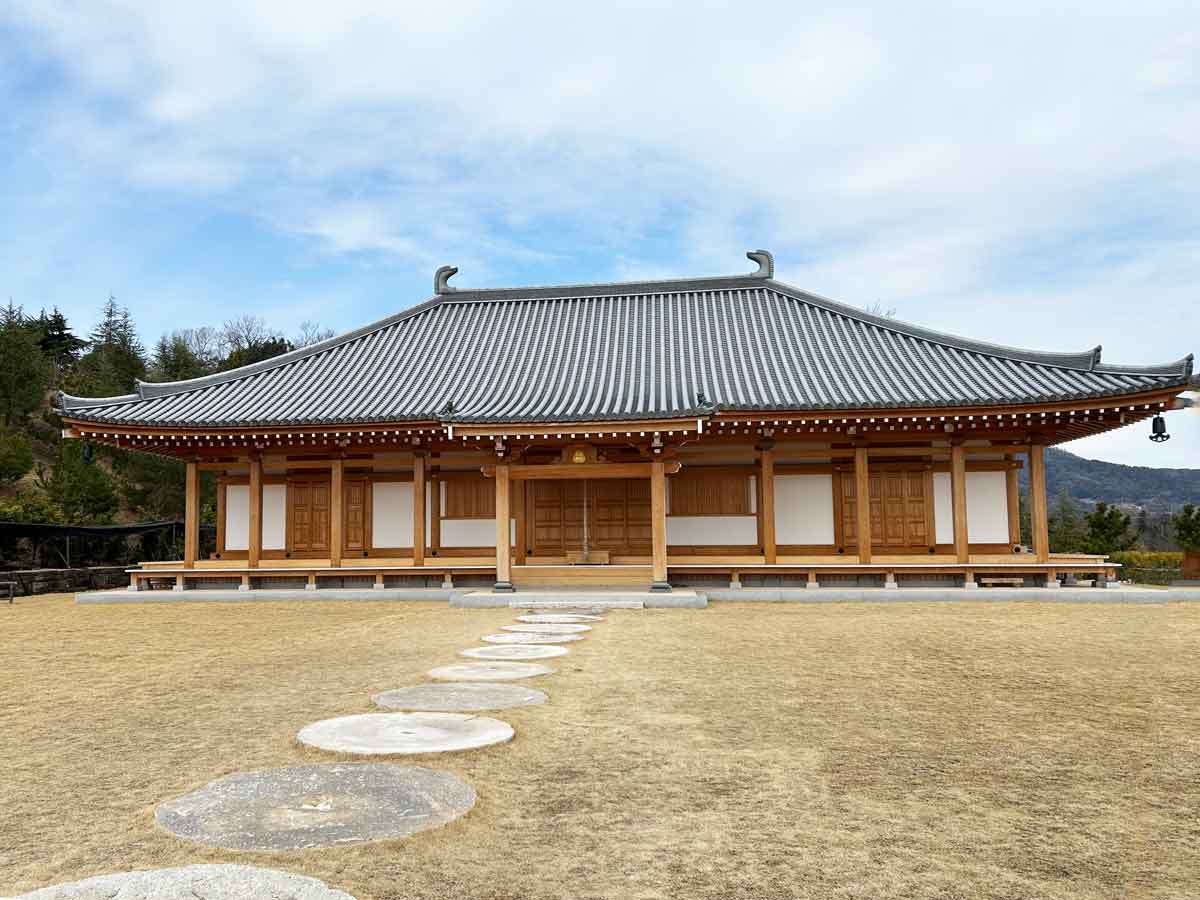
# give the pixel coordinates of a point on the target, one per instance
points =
(503, 535)
(958, 496)
(254, 553)
(435, 506)
(222, 514)
(658, 525)
(419, 509)
(336, 499)
(862, 505)
(1038, 514)
(1014, 502)
(191, 514)
(518, 500)
(766, 504)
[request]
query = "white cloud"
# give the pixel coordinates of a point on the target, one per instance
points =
(1017, 172)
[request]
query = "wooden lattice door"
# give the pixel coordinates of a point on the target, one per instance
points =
(900, 501)
(617, 516)
(308, 516)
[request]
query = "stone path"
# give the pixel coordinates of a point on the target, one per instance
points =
(526, 637)
(514, 651)
(549, 628)
(490, 671)
(200, 882)
(340, 804)
(461, 696)
(324, 805)
(406, 733)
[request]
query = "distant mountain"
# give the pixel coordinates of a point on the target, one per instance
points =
(1091, 481)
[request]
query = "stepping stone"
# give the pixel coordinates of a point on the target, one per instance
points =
(549, 628)
(460, 696)
(328, 805)
(560, 618)
(411, 732)
(514, 651)
(489, 671)
(525, 637)
(203, 882)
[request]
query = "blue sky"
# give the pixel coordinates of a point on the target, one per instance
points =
(1027, 175)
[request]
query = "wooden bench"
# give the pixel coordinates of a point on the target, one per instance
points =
(994, 580)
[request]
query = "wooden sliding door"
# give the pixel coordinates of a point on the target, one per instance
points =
(901, 503)
(356, 515)
(308, 516)
(617, 513)
(618, 516)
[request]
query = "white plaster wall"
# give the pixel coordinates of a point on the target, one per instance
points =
(237, 517)
(987, 508)
(274, 524)
(392, 514)
(804, 509)
(471, 532)
(943, 509)
(713, 530)
(710, 530)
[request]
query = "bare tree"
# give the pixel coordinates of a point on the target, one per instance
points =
(311, 333)
(205, 344)
(245, 333)
(878, 309)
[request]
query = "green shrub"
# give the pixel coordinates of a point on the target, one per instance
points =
(16, 456)
(1148, 566)
(1148, 559)
(1107, 530)
(1187, 528)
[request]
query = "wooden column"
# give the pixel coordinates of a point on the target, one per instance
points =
(503, 533)
(958, 496)
(435, 506)
(1038, 514)
(419, 509)
(862, 504)
(521, 526)
(336, 499)
(658, 525)
(191, 514)
(254, 553)
(1014, 502)
(766, 503)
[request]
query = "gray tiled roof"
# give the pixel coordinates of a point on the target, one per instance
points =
(623, 351)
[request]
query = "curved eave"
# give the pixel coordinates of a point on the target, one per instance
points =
(799, 411)
(1083, 361)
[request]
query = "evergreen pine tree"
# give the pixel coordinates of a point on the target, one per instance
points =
(1064, 525)
(24, 375)
(1107, 530)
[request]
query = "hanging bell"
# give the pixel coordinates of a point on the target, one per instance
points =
(1158, 430)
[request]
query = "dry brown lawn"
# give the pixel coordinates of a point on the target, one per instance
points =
(1003, 750)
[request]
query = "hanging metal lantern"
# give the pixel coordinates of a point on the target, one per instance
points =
(1158, 430)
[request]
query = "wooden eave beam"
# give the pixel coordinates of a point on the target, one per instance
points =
(577, 430)
(561, 472)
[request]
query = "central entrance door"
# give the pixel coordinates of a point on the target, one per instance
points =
(610, 514)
